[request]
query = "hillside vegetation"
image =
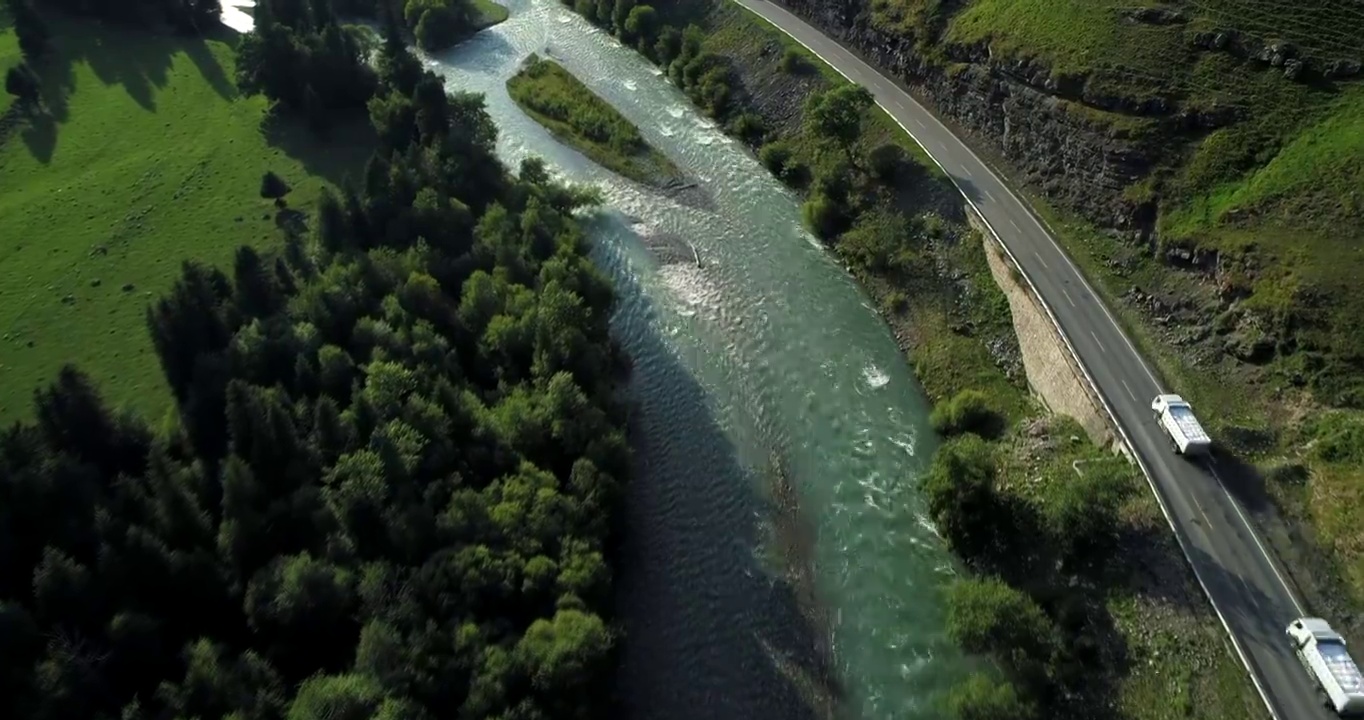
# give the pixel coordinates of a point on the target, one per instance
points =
(1249, 300)
(145, 154)
(582, 119)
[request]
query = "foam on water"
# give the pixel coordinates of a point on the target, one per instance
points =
(667, 131)
(874, 377)
(904, 442)
(631, 85)
(676, 112)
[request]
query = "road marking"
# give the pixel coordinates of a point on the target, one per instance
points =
(1039, 259)
(967, 170)
(1269, 559)
(1063, 292)
(1129, 391)
(1015, 226)
(1102, 349)
(988, 195)
(1207, 523)
(917, 122)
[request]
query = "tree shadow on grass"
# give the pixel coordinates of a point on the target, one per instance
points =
(197, 50)
(139, 60)
(339, 154)
(40, 136)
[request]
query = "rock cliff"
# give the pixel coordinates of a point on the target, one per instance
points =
(1047, 128)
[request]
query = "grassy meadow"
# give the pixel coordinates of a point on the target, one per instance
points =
(145, 156)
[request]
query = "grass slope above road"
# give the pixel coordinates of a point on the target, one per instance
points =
(149, 157)
(575, 115)
(1278, 179)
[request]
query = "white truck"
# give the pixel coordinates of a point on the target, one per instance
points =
(1322, 651)
(1176, 418)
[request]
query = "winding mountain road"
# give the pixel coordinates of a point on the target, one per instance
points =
(1247, 589)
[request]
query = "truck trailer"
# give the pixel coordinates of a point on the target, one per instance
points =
(1176, 418)
(1322, 651)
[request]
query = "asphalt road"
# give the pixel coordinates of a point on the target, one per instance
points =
(1245, 585)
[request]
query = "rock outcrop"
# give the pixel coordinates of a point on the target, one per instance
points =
(1041, 124)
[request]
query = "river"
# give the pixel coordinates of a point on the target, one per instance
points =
(746, 593)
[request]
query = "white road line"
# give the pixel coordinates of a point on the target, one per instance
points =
(1039, 259)
(1207, 523)
(967, 171)
(1129, 391)
(988, 195)
(1063, 292)
(917, 122)
(1102, 349)
(1288, 589)
(1015, 225)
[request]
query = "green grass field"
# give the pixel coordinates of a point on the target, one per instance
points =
(556, 99)
(148, 157)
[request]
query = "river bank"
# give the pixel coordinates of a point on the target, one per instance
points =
(1230, 258)
(1153, 636)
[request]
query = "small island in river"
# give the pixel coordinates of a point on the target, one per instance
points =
(575, 115)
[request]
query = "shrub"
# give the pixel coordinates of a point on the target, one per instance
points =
(981, 698)
(880, 242)
(748, 127)
(824, 216)
(775, 156)
(961, 495)
(969, 411)
(642, 24)
(885, 161)
(1082, 514)
(988, 616)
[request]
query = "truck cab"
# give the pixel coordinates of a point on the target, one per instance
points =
(1322, 653)
(1176, 419)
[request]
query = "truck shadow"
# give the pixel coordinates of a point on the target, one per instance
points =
(1242, 479)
